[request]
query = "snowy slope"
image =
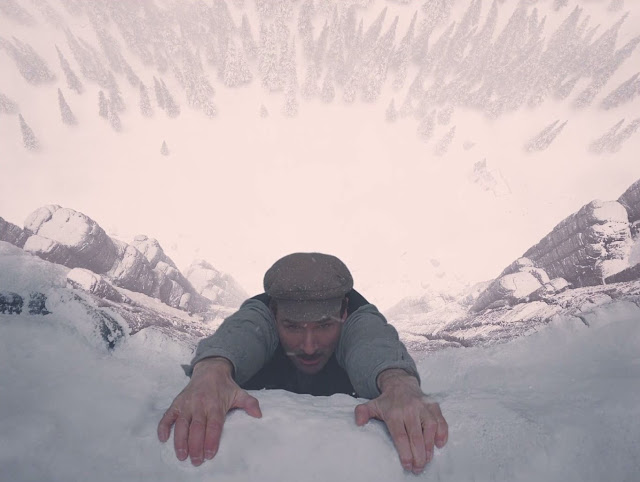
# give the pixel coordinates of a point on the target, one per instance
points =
(559, 405)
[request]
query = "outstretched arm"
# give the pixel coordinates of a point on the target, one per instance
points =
(414, 421)
(200, 410)
(381, 369)
(234, 353)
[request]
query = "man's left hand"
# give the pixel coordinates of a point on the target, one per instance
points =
(415, 422)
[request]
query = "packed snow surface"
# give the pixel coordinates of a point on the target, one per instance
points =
(561, 404)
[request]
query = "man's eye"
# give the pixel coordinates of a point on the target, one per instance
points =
(325, 326)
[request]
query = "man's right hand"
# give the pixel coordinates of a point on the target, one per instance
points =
(199, 411)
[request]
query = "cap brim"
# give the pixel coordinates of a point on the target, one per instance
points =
(308, 311)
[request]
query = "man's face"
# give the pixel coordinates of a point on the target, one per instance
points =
(309, 345)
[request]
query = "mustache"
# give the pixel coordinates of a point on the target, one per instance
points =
(305, 357)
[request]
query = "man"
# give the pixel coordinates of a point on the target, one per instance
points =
(309, 332)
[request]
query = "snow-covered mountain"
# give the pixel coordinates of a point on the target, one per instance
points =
(76, 406)
(212, 126)
(428, 144)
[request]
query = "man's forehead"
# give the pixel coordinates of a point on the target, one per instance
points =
(325, 319)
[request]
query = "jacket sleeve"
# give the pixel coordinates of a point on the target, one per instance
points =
(369, 345)
(248, 339)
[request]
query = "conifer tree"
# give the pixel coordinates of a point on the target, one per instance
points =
(103, 109)
(65, 111)
(164, 150)
(72, 79)
(328, 92)
(263, 111)
(114, 119)
(28, 137)
(248, 43)
(391, 114)
(171, 107)
(145, 104)
(7, 106)
(425, 126)
(159, 93)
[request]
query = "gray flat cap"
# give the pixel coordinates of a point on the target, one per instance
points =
(308, 286)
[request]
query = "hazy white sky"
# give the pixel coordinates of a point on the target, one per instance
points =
(241, 191)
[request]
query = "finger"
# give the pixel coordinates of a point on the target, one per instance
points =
(249, 404)
(364, 412)
(401, 441)
(429, 427)
(196, 440)
(442, 432)
(180, 437)
(212, 435)
(166, 422)
(417, 442)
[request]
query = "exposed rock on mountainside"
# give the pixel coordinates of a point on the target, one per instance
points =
(87, 242)
(587, 246)
(220, 288)
(72, 239)
(579, 253)
(13, 234)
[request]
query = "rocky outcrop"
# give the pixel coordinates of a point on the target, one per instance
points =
(87, 242)
(630, 199)
(83, 279)
(507, 290)
(10, 303)
(553, 287)
(50, 250)
(131, 269)
(152, 250)
(220, 288)
(13, 234)
(588, 246)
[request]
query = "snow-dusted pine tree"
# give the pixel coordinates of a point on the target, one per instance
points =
(236, 71)
(443, 144)
(65, 111)
(159, 93)
(116, 102)
(248, 43)
(28, 137)
(391, 114)
(263, 111)
(170, 105)
(145, 104)
(73, 82)
(103, 109)
(164, 150)
(114, 119)
(7, 106)
(425, 126)
(328, 92)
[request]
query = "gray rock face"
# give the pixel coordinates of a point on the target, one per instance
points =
(152, 250)
(553, 287)
(220, 288)
(10, 303)
(131, 269)
(507, 290)
(588, 246)
(83, 279)
(89, 245)
(50, 250)
(11, 233)
(37, 303)
(630, 199)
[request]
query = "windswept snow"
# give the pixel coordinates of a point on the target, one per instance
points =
(559, 405)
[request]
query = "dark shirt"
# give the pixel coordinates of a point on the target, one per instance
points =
(281, 373)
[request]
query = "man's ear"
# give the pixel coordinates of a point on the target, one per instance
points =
(344, 312)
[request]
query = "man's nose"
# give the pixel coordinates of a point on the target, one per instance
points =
(309, 344)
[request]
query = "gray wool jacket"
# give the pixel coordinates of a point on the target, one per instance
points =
(368, 345)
